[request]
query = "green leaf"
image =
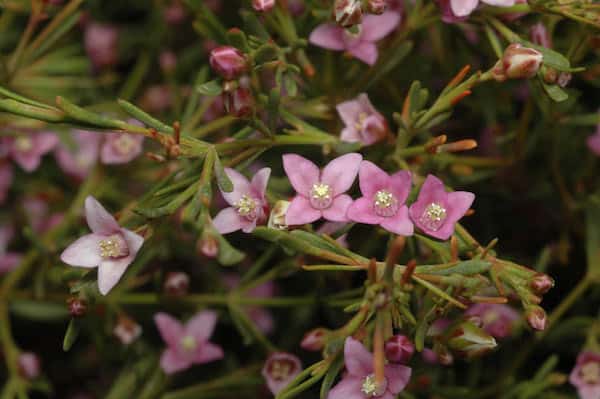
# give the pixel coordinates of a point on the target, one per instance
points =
(71, 334)
(238, 39)
(144, 117)
(289, 83)
(593, 239)
(332, 373)
(555, 92)
(265, 53)
(551, 58)
(38, 310)
(211, 88)
(253, 25)
(468, 267)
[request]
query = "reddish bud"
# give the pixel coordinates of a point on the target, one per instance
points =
(239, 102)
(541, 283)
(536, 318)
(315, 340)
(517, 62)
(176, 284)
(228, 62)
(77, 306)
(263, 5)
(376, 6)
(399, 349)
(347, 13)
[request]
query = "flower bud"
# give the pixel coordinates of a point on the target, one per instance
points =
(539, 35)
(541, 283)
(208, 246)
(280, 369)
(263, 5)
(127, 330)
(563, 79)
(29, 365)
(277, 216)
(399, 349)
(376, 6)
(517, 62)
(239, 102)
(469, 341)
(315, 340)
(536, 317)
(228, 62)
(347, 13)
(167, 61)
(176, 284)
(77, 306)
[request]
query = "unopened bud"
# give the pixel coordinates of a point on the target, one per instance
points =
(315, 340)
(564, 78)
(541, 283)
(277, 216)
(127, 330)
(167, 61)
(239, 102)
(208, 246)
(176, 284)
(77, 306)
(347, 13)
(29, 365)
(376, 6)
(399, 349)
(228, 62)
(517, 62)
(457, 146)
(263, 5)
(536, 317)
(469, 341)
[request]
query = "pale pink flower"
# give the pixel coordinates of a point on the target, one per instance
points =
(119, 148)
(27, 149)
(8, 260)
(586, 375)
(383, 200)
(101, 44)
(462, 8)
(361, 45)
(248, 203)
(435, 212)
(188, 343)
(6, 179)
(39, 216)
(109, 247)
(593, 142)
(77, 157)
(498, 320)
(29, 365)
(359, 381)
(320, 194)
(363, 123)
(260, 316)
(127, 330)
(279, 370)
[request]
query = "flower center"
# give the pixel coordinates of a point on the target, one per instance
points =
(23, 144)
(360, 122)
(113, 247)
(371, 388)
(189, 343)
(385, 204)
(124, 144)
(246, 207)
(321, 196)
(434, 216)
(280, 370)
(590, 373)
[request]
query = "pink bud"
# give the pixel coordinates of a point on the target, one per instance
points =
(377, 6)
(517, 62)
(29, 365)
(168, 61)
(315, 340)
(208, 246)
(536, 317)
(541, 283)
(239, 102)
(399, 349)
(228, 62)
(564, 78)
(77, 306)
(539, 35)
(176, 284)
(347, 13)
(263, 5)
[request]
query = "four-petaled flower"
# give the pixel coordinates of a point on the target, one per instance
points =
(121, 148)
(360, 382)
(383, 199)
(109, 247)
(435, 212)
(586, 375)
(188, 343)
(28, 149)
(320, 193)
(363, 123)
(248, 203)
(77, 160)
(279, 370)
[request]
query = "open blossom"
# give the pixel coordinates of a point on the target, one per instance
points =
(462, 8)
(248, 203)
(363, 123)
(121, 148)
(320, 194)
(260, 316)
(359, 381)
(109, 247)
(383, 199)
(593, 142)
(280, 369)
(79, 156)
(497, 320)
(586, 375)
(435, 212)
(27, 149)
(362, 44)
(188, 343)
(8, 260)
(6, 179)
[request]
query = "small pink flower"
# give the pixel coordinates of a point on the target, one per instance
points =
(435, 212)
(280, 369)
(263, 5)
(586, 375)
(261, 317)
(79, 156)
(127, 330)
(39, 216)
(101, 44)
(121, 148)
(320, 194)
(462, 8)
(359, 381)
(383, 199)
(109, 247)
(363, 123)
(27, 149)
(176, 284)
(8, 260)
(593, 142)
(29, 365)
(249, 206)
(362, 45)
(6, 179)
(496, 319)
(188, 343)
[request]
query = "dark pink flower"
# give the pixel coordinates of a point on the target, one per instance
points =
(6, 179)
(188, 343)
(586, 375)
(359, 381)
(27, 149)
(280, 369)
(497, 320)
(593, 142)
(8, 260)
(399, 349)
(101, 44)
(361, 45)
(228, 61)
(435, 212)
(109, 247)
(383, 199)
(260, 316)
(79, 156)
(320, 194)
(363, 123)
(248, 203)
(119, 148)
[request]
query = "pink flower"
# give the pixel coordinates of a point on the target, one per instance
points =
(121, 148)
(435, 212)
(362, 45)
(6, 179)
(539, 35)
(359, 382)
(127, 330)
(462, 8)
(101, 44)
(593, 142)
(29, 365)
(27, 149)
(157, 98)
(586, 375)
(383, 199)
(399, 349)
(187, 344)
(279, 370)
(109, 247)
(39, 216)
(496, 319)
(8, 260)
(261, 317)
(78, 157)
(363, 123)
(248, 203)
(263, 5)
(320, 194)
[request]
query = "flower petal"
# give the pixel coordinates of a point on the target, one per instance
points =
(348, 388)
(401, 183)
(301, 172)
(350, 135)
(171, 362)
(366, 52)
(134, 241)
(338, 209)
(110, 272)
(259, 182)
(358, 360)
(462, 8)
(341, 172)
(397, 376)
(84, 252)
(202, 325)
(228, 220)
(208, 352)
(371, 179)
(9, 261)
(328, 36)
(376, 27)
(400, 223)
(170, 329)
(500, 3)
(362, 211)
(350, 110)
(99, 220)
(241, 186)
(301, 212)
